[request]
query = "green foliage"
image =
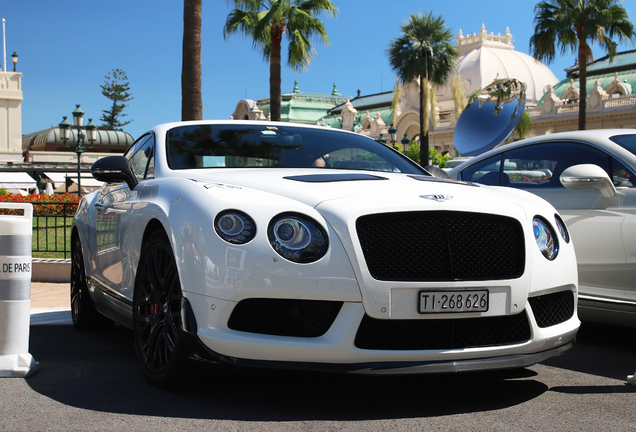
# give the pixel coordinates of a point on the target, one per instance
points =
(423, 53)
(524, 125)
(267, 22)
(436, 157)
(3, 191)
(413, 152)
(424, 49)
(116, 89)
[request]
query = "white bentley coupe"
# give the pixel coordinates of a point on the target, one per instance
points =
(282, 245)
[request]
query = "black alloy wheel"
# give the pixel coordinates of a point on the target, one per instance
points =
(83, 312)
(159, 339)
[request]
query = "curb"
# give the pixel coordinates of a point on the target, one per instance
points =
(51, 270)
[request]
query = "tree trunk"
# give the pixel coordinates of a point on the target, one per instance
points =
(423, 133)
(274, 73)
(582, 84)
(191, 69)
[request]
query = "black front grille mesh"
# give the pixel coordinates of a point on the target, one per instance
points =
(434, 334)
(441, 246)
(284, 317)
(552, 309)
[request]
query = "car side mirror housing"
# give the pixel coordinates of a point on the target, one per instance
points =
(114, 169)
(586, 177)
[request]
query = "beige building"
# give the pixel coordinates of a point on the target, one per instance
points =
(10, 116)
(551, 104)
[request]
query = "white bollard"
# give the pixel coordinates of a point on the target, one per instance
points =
(16, 233)
(631, 379)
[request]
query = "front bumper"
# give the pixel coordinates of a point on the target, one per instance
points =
(337, 350)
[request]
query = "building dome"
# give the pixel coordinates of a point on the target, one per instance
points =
(488, 57)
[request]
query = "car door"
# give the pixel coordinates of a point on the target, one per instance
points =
(603, 229)
(114, 205)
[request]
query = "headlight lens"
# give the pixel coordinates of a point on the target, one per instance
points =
(234, 226)
(297, 238)
(563, 229)
(546, 238)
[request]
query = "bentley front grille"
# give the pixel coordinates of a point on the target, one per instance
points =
(441, 246)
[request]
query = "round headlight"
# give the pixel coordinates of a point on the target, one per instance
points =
(234, 226)
(297, 238)
(292, 233)
(563, 229)
(546, 238)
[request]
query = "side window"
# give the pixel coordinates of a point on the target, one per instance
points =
(541, 165)
(133, 148)
(150, 171)
(484, 172)
(621, 175)
(142, 160)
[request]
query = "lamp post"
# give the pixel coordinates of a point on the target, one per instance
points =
(79, 148)
(393, 135)
(14, 59)
(381, 140)
(405, 143)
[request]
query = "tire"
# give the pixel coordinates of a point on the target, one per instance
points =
(157, 326)
(83, 313)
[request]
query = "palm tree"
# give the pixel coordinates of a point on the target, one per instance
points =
(572, 25)
(423, 53)
(191, 69)
(266, 21)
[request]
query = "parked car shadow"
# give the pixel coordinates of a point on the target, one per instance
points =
(602, 350)
(99, 371)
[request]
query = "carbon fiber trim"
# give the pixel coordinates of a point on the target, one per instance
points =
(401, 368)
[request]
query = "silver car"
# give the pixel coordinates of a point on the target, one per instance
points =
(588, 176)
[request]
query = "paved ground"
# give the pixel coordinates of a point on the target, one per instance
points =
(91, 382)
(50, 303)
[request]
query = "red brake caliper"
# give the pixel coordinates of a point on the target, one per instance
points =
(154, 309)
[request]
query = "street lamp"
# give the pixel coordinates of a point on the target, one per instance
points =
(405, 143)
(393, 134)
(381, 140)
(14, 59)
(79, 148)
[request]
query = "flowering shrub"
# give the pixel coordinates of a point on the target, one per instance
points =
(44, 205)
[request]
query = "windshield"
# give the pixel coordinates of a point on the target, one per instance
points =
(261, 146)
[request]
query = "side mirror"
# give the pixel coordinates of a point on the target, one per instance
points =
(114, 169)
(586, 177)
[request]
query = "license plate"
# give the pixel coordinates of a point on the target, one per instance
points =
(453, 301)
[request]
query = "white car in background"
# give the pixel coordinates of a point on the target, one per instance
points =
(281, 245)
(589, 177)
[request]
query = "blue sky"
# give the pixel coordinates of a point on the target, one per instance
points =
(66, 48)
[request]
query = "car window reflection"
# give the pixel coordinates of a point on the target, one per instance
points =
(245, 146)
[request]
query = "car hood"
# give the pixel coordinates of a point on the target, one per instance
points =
(365, 189)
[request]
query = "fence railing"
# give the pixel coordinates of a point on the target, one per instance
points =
(52, 229)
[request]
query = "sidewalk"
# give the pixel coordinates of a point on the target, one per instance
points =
(50, 303)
